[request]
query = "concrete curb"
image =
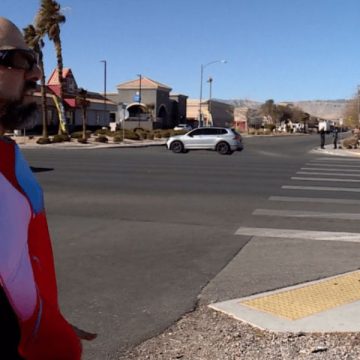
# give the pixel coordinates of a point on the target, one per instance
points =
(329, 150)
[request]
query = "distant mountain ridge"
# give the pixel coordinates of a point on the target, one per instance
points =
(324, 109)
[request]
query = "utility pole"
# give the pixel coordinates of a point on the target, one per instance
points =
(210, 96)
(201, 85)
(104, 61)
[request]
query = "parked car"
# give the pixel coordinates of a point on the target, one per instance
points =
(222, 140)
(183, 127)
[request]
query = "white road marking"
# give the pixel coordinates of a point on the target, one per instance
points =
(332, 165)
(323, 179)
(326, 169)
(314, 200)
(299, 234)
(335, 159)
(325, 173)
(307, 214)
(319, 188)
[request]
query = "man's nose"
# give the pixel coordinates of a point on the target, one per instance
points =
(34, 74)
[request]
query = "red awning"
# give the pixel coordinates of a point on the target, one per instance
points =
(71, 102)
(56, 90)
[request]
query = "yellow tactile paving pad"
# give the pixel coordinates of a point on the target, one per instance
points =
(311, 299)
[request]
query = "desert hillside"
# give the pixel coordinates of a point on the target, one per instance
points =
(325, 109)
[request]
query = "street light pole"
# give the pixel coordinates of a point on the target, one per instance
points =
(124, 105)
(201, 84)
(210, 95)
(104, 61)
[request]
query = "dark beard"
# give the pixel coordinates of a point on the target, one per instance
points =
(16, 114)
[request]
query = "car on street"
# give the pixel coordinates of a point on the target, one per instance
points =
(223, 140)
(182, 127)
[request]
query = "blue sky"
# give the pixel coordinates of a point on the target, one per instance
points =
(284, 50)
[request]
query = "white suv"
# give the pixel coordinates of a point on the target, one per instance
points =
(223, 140)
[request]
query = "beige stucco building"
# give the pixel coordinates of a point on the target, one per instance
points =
(214, 113)
(240, 119)
(148, 104)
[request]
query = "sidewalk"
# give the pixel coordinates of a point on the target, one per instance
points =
(329, 150)
(313, 320)
(26, 142)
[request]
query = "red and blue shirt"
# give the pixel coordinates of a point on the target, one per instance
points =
(27, 272)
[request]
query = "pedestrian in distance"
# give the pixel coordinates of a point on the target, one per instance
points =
(322, 139)
(31, 324)
(322, 131)
(335, 136)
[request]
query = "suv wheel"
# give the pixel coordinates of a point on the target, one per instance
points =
(177, 147)
(223, 148)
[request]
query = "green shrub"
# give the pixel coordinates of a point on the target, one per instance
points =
(82, 141)
(142, 134)
(101, 139)
(270, 127)
(79, 134)
(58, 139)
(43, 141)
(166, 133)
(106, 132)
(157, 134)
(179, 132)
(131, 135)
(118, 138)
(65, 137)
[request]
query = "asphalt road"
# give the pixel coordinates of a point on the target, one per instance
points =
(139, 234)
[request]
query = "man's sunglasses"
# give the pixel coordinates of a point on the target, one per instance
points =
(18, 59)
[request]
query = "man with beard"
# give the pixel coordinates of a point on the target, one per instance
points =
(31, 324)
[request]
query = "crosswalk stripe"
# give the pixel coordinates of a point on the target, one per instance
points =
(314, 200)
(319, 188)
(325, 173)
(343, 159)
(299, 234)
(323, 179)
(335, 159)
(332, 165)
(326, 169)
(307, 214)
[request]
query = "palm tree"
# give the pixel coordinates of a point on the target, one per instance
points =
(81, 99)
(35, 41)
(48, 20)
